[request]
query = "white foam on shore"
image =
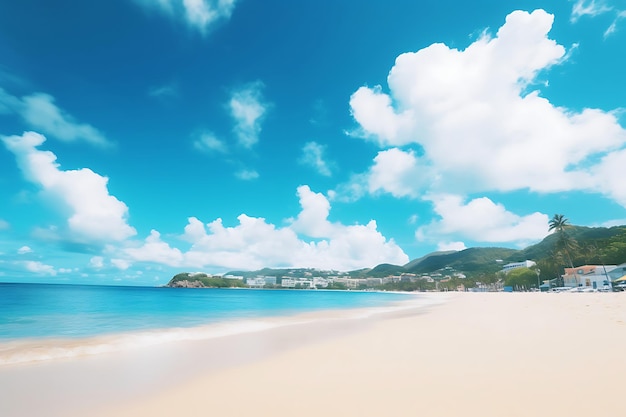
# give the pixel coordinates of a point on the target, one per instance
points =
(40, 350)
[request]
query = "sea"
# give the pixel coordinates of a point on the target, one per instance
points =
(49, 321)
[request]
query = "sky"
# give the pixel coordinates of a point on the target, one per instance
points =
(142, 138)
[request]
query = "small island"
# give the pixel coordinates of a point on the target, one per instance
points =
(203, 280)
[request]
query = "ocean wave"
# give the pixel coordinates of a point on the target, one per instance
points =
(40, 350)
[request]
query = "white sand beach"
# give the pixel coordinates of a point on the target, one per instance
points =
(478, 354)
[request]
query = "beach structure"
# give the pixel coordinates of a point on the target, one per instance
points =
(588, 276)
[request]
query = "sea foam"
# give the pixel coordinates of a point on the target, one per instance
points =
(46, 349)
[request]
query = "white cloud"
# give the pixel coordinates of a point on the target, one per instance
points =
(313, 218)
(480, 124)
(121, 264)
(164, 92)
(247, 108)
(310, 240)
(379, 121)
(201, 15)
(155, 250)
(613, 27)
(394, 171)
(24, 249)
(40, 112)
(96, 262)
(247, 174)
(609, 178)
(397, 173)
(448, 246)
(39, 268)
(93, 214)
(589, 8)
(252, 244)
(4, 225)
(208, 142)
(313, 156)
(613, 223)
(482, 220)
(593, 8)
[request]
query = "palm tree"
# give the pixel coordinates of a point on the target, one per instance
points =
(558, 223)
(565, 242)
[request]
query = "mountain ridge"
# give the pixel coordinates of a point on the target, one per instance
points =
(608, 243)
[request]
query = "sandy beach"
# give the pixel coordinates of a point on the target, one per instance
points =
(478, 354)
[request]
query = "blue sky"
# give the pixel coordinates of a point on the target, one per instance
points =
(142, 138)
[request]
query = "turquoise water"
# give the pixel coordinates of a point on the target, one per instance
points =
(79, 311)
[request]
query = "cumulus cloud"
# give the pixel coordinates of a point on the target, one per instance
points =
(313, 156)
(121, 264)
(40, 112)
(154, 249)
(93, 214)
(39, 268)
(200, 15)
(248, 109)
(481, 125)
(482, 220)
(395, 172)
(96, 262)
(309, 240)
(24, 249)
(313, 218)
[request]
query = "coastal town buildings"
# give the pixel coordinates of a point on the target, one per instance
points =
(588, 276)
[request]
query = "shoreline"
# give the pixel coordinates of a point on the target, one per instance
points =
(479, 354)
(24, 351)
(476, 354)
(79, 384)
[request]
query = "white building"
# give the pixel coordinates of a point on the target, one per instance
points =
(288, 283)
(320, 282)
(257, 282)
(514, 265)
(230, 276)
(588, 276)
(374, 282)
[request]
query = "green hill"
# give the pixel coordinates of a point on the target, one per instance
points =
(417, 261)
(202, 280)
(595, 245)
(472, 260)
(607, 243)
(385, 270)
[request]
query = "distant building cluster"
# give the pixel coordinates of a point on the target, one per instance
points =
(586, 277)
(319, 279)
(582, 278)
